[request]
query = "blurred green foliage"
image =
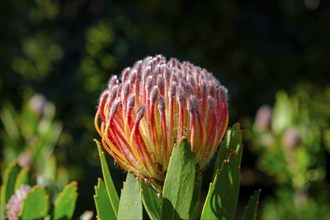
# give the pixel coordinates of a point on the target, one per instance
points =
(292, 142)
(67, 50)
(30, 136)
(26, 197)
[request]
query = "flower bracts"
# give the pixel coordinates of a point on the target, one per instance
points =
(142, 115)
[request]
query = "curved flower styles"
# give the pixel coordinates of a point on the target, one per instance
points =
(142, 115)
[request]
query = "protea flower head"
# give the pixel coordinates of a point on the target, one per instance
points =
(143, 114)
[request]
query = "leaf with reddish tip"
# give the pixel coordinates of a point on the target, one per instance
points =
(130, 204)
(66, 202)
(250, 212)
(221, 200)
(110, 186)
(8, 185)
(23, 178)
(102, 202)
(35, 205)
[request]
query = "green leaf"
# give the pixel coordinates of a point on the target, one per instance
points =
(152, 201)
(130, 204)
(23, 178)
(102, 202)
(194, 208)
(179, 182)
(48, 167)
(35, 205)
(29, 121)
(9, 117)
(110, 186)
(66, 202)
(250, 212)
(221, 200)
(228, 144)
(44, 146)
(8, 186)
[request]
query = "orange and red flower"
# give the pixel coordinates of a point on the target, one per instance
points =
(144, 114)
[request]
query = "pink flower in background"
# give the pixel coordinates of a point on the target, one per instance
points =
(15, 202)
(263, 118)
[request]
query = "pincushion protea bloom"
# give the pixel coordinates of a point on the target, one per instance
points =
(145, 113)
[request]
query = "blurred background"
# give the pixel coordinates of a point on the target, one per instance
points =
(273, 56)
